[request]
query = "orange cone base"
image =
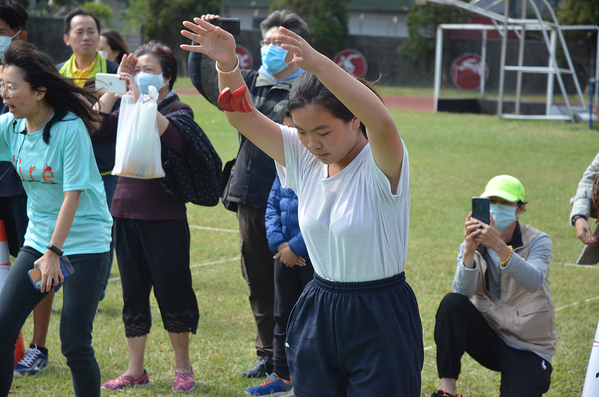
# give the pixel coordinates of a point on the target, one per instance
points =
(19, 348)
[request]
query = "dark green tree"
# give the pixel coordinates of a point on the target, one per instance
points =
(102, 11)
(164, 22)
(582, 43)
(327, 21)
(422, 26)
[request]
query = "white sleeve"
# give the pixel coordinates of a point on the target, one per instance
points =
(382, 182)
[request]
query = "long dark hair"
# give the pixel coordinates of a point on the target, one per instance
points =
(116, 42)
(38, 69)
(308, 90)
(165, 56)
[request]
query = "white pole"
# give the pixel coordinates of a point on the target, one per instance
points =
(591, 381)
(438, 58)
(483, 55)
(502, 62)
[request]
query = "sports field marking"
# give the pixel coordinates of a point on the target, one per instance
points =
(214, 229)
(577, 303)
(194, 266)
(591, 267)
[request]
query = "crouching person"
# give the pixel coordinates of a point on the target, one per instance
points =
(509, 326)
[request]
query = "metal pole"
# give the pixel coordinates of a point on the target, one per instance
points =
(483, 55)
(597, 65)
(550, 76)
(592, 88)
(502, 62)
(520, 60)
(438, 58)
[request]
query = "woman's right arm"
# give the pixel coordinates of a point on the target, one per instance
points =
(220, 46)
(581, 204)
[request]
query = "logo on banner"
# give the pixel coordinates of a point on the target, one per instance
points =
(245, 58)
(352, 61)
(466, 71)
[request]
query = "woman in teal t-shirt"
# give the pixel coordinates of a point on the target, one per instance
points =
(46, 136)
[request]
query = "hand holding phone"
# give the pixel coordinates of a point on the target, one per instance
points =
(481, 209)
(35, 274)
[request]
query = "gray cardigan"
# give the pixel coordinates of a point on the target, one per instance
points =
(581, 203)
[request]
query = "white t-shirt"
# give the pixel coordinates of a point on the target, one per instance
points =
(354, 227)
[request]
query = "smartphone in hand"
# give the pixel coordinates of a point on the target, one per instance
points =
(231, 25)
(35, 274)
(480, 209)
(113, 83)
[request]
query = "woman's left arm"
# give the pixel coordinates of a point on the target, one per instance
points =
(49, 263)
(385, 142)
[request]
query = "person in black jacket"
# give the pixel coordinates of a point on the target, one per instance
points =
(255, 171)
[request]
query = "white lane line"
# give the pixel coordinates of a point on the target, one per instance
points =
(577, 303)
(214, 229)
(193, 266)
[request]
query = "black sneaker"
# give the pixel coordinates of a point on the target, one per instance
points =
(262, 368)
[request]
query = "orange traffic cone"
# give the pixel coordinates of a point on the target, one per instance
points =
(4, 268)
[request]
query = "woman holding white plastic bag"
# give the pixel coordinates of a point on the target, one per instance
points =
(151, 230)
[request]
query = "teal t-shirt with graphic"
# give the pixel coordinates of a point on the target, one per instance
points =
(67, 163)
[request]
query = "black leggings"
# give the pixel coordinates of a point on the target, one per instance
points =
(461, 328)
(155, 254)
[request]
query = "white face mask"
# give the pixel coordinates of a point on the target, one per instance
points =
(5, 42)
(104, 54)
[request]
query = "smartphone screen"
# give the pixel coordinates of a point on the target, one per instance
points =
(480, 209)
(231, 25)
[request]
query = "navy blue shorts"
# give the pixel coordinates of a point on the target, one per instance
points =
(356, 339)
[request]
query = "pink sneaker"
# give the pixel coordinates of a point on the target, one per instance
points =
(184, 383)
(124, 381)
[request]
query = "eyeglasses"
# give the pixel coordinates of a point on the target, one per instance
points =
(7, 89)
(268, 42)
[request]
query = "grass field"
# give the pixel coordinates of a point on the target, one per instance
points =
(451, 159)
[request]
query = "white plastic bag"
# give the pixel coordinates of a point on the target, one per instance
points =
(137, 139)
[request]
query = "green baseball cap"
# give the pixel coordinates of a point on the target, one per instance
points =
(506, 187)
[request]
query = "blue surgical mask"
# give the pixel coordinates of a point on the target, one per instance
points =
(273, 58)
(5, 42)
(145, 80)
(503, 215)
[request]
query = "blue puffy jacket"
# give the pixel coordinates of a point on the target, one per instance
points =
(281, 220)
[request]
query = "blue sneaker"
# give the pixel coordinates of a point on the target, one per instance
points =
(32, 363)
(273, 386)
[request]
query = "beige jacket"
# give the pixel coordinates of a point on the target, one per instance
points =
(521, 317)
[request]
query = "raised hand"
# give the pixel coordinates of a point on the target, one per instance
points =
(127, 64)
(304, 55)
(213, 41)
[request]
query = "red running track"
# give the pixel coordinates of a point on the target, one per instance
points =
(418, 104)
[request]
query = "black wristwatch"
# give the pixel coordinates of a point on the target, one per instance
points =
(55, 249)
(575, 218)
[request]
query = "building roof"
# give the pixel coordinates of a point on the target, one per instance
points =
(367, 5)
(380, 5)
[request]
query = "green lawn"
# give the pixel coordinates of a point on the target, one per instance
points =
(451, 159)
